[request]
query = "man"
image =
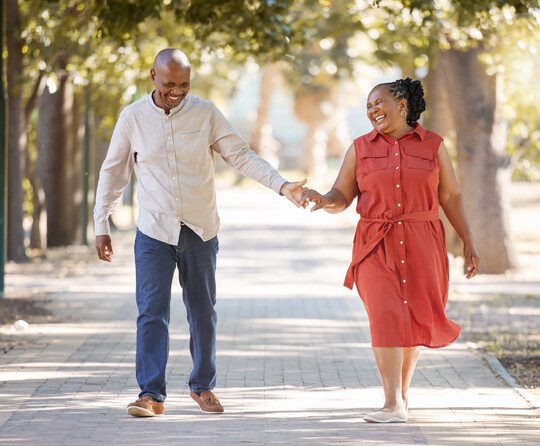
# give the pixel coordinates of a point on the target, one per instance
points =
(171, 140)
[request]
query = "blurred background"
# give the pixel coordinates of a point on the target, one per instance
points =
(291, 75)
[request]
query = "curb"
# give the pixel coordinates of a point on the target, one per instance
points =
(498, 369)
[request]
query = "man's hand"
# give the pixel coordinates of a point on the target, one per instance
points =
(104, 247)
(293, 191)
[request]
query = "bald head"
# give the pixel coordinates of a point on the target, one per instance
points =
(171, 56)
(171, 77)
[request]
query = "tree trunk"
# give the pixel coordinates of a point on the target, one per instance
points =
(75, 180)
(339, 138)
(38, 231)
(55, 160)
(261, 139)
(483, 164)
(308, 108)
(16, 134)
(438, 118)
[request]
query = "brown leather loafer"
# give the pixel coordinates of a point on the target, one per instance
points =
(145, 407)
(208, 402)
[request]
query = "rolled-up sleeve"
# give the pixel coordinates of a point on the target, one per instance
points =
(114, 175)
(236, 153)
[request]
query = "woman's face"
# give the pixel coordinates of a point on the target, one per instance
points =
(386, 113)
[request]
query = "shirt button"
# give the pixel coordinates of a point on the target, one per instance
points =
(404, 301)
(176, 198)
(399, 204)
(397, 167)
(395, 142)
(397, 185)
(174, 178)
(399, 224)
(401, 242)
(403, 261)
(170, 157)
(396, 154)
(404, 280)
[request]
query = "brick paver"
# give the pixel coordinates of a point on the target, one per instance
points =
(294, 359)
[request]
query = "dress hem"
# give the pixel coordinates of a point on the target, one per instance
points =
(420, 344)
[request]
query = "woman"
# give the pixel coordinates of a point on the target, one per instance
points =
(401, 173)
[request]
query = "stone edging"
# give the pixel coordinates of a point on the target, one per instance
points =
(498, 369)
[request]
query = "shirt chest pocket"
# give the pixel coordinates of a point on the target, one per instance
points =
(373, 158)
(193, 148)
(419, 158)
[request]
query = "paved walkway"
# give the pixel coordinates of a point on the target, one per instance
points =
(294, 358)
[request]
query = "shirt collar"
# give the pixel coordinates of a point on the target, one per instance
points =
(418, 129)
(173, 110)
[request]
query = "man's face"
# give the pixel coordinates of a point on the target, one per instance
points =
(171, 84)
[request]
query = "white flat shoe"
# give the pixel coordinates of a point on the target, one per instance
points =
(400, 416)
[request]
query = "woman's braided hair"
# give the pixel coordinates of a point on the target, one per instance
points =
(413, 92)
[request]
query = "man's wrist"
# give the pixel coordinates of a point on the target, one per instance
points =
(281, 188)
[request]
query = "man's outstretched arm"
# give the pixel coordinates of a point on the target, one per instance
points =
(236, 153)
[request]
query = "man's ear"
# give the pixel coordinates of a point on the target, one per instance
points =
(152, 74)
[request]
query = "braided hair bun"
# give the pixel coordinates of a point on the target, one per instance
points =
(413, 92)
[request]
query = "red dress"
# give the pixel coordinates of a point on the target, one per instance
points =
(400, 263)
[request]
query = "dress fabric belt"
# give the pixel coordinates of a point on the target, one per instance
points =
(387, 223)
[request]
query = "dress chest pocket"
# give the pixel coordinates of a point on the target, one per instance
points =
(373, 158)
(419, 158)
(193, 147)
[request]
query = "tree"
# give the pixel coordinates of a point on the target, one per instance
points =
(16, 134)
(72, 37)
(463, 31)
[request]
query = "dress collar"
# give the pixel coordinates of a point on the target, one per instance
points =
(418, 129)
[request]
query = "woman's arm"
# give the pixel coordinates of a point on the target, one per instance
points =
(343, 192)
(451, 201)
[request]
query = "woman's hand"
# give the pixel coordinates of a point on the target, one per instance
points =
(472, 261)
(312, 195)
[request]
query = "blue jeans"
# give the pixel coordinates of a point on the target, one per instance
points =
(155, 263)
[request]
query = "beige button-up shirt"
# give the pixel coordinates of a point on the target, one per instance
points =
(174, 159)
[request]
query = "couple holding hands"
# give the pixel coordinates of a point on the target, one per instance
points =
(399, 172)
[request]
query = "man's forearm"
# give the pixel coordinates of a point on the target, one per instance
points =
(248, 163)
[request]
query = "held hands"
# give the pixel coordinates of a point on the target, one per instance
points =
(104, 247)
(472, 261)
(310, 195)
(302, 196)
(293, 191)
